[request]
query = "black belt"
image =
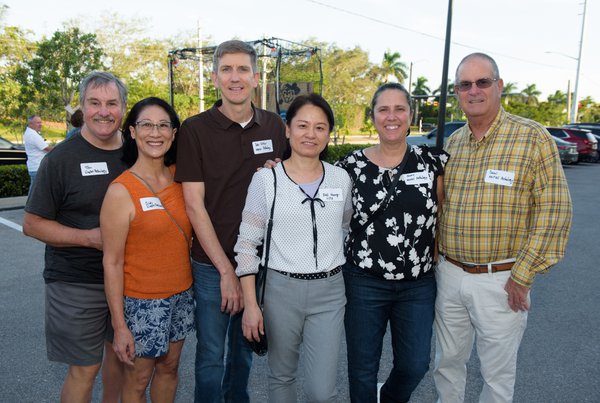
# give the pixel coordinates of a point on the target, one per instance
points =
(312, 276)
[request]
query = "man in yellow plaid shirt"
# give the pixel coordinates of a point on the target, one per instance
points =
(506, 217)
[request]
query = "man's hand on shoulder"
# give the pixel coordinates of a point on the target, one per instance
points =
(517, 295)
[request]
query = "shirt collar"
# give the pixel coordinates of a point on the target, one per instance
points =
(225, 122)
(493, 128)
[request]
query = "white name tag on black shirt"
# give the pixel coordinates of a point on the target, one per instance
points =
(262, 146)
(93, 168)
(151, 203)
(504, 178)
(417, 178)
(333, 194)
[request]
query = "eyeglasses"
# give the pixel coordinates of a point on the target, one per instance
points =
(147, 126)
(482, 83)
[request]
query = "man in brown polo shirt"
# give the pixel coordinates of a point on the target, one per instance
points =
(218, 152)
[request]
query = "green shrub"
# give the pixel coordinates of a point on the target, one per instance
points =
(335, 152)
(14, 180)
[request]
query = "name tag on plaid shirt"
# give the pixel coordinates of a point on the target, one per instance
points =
(503, 178)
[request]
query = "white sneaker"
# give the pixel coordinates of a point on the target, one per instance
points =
(379, 385)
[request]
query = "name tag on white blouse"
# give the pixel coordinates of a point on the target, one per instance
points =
(262, 146)
(417, 178)
(151, 203)
(333, 194)
(93, 168)
(504, 178)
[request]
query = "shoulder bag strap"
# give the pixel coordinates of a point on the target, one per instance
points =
(163, 205)
(268, 237)
(384, 203)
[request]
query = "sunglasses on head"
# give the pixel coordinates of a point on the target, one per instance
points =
(482, 83)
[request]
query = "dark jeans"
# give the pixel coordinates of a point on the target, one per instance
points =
(218, 380)
(408, 306)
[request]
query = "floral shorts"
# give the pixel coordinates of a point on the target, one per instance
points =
(155, 323)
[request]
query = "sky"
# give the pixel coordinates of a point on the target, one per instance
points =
(533, 41)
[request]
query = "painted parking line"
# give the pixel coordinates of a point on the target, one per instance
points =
(11, 224)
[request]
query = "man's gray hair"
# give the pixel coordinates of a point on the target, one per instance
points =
(30, 118)
(234, 46)
(478, 55)
(100, 79)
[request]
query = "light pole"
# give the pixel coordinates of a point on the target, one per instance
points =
(574, 101)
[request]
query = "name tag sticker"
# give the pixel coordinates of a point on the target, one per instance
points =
(417, 178)
(262, 146)
(503, 178)
(93, 168)
(151, 203)
(334, 194)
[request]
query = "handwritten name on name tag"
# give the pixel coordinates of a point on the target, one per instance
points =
(151, 203)
(333, 194)
(93, 168)
(504, 178)
(417, 178)
(262, 146)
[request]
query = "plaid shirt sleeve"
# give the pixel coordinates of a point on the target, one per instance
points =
(550, 219)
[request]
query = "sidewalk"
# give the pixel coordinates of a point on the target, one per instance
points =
(12, 203)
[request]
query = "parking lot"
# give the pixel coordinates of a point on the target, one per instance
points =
(558, 362)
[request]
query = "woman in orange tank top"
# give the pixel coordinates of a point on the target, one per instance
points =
(147, 271)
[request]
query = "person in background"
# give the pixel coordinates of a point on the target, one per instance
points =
(506, 217)
(147, 271)
(389, 273)
(63, 211)
(35, 146)
(304, 294)
(77, 122)
(219, 151)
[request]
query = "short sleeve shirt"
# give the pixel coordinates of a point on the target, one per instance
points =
(34, 147)
(69, 188)
(399, 244)
(224, 155)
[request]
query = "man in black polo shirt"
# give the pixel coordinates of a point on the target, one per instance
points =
(218, 152)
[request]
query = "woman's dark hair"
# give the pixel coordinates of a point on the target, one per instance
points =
(297, 104)
(130, 150)
(77, 118)
(389, 86)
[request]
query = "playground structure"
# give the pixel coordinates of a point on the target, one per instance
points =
(287, 69)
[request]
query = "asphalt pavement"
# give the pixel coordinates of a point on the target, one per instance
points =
(559, 359)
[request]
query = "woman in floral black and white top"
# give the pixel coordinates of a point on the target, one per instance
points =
(389, 272)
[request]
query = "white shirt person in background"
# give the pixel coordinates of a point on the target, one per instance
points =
(35, 145)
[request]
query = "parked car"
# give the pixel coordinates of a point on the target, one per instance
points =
(11, 154)
(429, 139)
(587, 145)
(594, 128)
(567, 151)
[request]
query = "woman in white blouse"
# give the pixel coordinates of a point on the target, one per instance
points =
(305, 295)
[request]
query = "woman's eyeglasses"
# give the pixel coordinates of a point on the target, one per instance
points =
(147, 126)
(482, 83)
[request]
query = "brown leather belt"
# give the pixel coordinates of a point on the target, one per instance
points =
(481, 268)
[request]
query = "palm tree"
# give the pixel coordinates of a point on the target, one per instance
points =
(392, 66)
(531, 94)
(419, 88)
(509, 87)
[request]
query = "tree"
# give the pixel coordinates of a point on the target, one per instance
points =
(391, 66)
(509, 88)
(420, 88)
(59, 65)
(531, 94)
